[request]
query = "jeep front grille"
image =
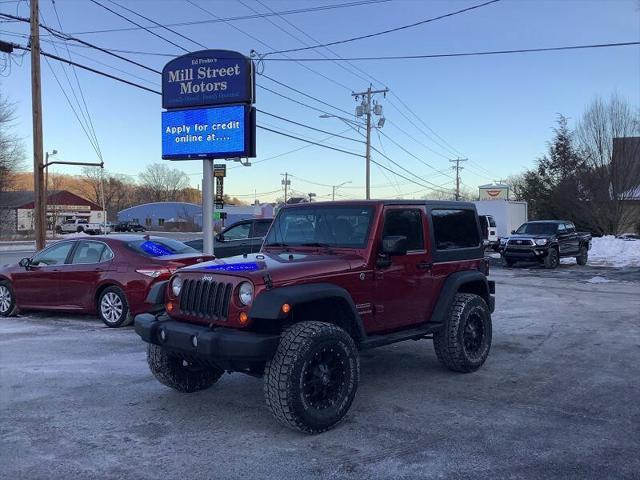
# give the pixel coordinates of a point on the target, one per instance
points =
(206, 299)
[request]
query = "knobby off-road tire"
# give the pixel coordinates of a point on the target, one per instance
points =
(173, 371)
(583, 257)
(552, 260)
(8, 306)
(113, 308)
(464, 343)
(311, 381)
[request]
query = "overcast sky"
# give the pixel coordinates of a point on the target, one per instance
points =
(496, 110)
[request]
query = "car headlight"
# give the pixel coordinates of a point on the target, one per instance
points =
(245, 293)
(541, 241)
(176, 285)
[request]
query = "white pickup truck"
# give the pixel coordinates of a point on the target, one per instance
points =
(79, 225)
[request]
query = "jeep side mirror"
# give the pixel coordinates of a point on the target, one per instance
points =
(394, 245)
(220, 237)
(513, 232)
(25, 262)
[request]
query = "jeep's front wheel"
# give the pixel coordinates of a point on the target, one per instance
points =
(311, 381)
(178, 373)
(463, 344)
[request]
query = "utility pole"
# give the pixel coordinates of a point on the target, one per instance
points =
(457, 168)
(334, 188)
(366, 109)
(36, 107)
(286, 182)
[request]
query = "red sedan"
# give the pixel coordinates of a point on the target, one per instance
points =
(108, 275)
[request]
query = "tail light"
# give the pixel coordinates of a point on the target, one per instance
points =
(484, 266)
(156, 272)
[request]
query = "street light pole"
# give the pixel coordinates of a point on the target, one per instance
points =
(335, 187)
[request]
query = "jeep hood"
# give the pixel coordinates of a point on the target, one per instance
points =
(282, 267)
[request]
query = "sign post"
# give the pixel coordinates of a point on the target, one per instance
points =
(208, 97)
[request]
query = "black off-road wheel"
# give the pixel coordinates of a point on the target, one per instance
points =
(464, 343)
(552, 260)
(507, 262)
(583, 257)
(179, 373)
(113, 308)
(311, 381)
(8, 306)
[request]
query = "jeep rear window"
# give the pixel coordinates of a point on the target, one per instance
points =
(159, 247)
(346, 227)
(455, 229)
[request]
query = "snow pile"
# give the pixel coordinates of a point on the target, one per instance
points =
(73, 235)
(613, 251)
(598, 279)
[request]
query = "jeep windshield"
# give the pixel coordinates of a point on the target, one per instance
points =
(321, 226)
(537, 228)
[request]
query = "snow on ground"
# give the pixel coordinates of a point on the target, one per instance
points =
(615, 252)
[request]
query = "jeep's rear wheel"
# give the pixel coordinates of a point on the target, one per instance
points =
(464, 343)
(311, 381)
(178, 373)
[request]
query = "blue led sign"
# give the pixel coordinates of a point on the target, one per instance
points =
(215, 132)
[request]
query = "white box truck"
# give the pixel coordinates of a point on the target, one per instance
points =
(508, 214)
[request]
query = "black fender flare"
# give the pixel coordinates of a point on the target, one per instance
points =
(453, 284)
(268, 305)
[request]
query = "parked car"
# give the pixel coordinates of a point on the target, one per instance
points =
(489, 231)
(237, 239)
(79, 225)
(629, 236)
(107, 227)
(108, 275)
(332, 279)
(546, 242)
(129, 227)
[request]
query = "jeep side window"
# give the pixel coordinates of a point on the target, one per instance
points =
(406, 222)
(455, 229)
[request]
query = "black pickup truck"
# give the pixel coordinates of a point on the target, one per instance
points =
(545, 241)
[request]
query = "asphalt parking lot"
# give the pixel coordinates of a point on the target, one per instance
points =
(558, 398)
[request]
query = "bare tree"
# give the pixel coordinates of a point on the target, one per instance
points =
(12, 154)
(160, 183)
(118, 190)
(614, 163)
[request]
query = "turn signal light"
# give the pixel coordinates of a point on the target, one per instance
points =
(243, 318)
(286, 308)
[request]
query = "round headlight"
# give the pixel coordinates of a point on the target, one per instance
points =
(176, 285)
(245, 293)
(541, 241)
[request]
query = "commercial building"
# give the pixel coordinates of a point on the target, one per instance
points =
(16, 210)
(163, 214)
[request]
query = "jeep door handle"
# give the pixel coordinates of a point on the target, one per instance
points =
(424, 265)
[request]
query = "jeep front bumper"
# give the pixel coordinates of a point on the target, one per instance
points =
(226, 347)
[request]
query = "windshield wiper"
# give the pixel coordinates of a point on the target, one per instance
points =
(315, 244)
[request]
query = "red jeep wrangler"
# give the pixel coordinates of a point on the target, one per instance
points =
(331, 279)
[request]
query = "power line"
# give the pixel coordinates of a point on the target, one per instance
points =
(308, 126)
(262, 42)
(309, 141)
(242, 17)
(303, 93)
(124, 17)
(64, 36)
(384, 32)
(464, 54)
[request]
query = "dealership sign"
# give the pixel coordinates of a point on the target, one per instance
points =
(208, 77)
(212, 132)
